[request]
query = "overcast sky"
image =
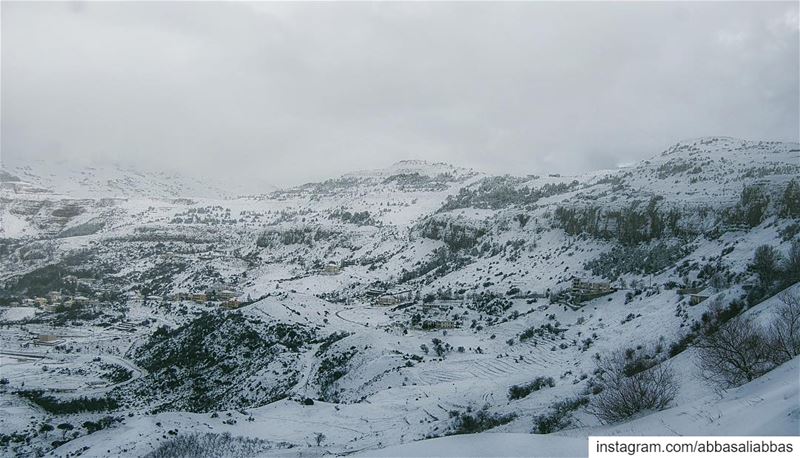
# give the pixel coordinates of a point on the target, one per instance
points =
(288, 93)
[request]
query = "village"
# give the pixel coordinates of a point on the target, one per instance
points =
(429, 313)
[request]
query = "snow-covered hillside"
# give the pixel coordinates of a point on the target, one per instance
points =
(385, 307)
(78, 180)
(772, 400)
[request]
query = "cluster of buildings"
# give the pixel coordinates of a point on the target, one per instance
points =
(331, 269)
(439, 324)
(401, 298)
(582, 291)
(54, 299)
(696, 295)
(388, 298)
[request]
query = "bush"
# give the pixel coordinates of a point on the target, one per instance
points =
(785, 330)
(790, 202)
(65, 427)
(94, 426)
(559, 416)
(753, 205)
(791, 264)
(766, 263)
(734, 354)
(470, 423)
(521, 391)
(628, 388)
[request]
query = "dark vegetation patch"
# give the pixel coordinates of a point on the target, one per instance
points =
(644, 259)
(501, 192)
(471, 422)
(213, 445)
(521, 391)
(61, 407)
(213, 362)
(560, 415)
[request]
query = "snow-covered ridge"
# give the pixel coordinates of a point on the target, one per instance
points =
(425, 168)
(727, 144)
(77, 180)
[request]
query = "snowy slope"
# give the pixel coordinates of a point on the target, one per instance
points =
(771, 404)
(95, 181)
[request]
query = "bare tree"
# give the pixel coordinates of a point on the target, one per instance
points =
(319, 438)
(734, 354)
(632, 385)
(784, 332)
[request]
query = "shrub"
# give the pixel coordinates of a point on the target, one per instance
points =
(45, 428)
(65, 427)
(790, 202)
(785, 329)
(521, 391)
(753, 205)
(94, 426)
(470, 423)
(765, 263)
(559, 416)
(791, 264)
(628, 388)
(734, 354)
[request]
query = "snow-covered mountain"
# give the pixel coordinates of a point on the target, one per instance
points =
(78, 180)
(388, 306)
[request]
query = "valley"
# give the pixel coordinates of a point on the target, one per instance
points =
(383, 307)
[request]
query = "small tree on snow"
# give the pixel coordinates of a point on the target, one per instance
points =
(791, 265)
(734, 354)
(766, 263)
(45, 428)
(784, 331)
(319, 438)
(65, 427)
(632, 385)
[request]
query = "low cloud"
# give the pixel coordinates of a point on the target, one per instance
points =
(287, 93)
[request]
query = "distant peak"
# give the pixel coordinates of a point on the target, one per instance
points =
(709, 142)
(416, 163)
(409, 166)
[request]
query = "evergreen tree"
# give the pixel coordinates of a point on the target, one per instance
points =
(753, 205)
(766, 264)
(791, 266)
(790, 204)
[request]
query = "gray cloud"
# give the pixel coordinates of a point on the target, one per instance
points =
(286, 93)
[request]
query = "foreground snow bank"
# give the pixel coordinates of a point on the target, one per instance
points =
(769, 406)
(489, 444)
